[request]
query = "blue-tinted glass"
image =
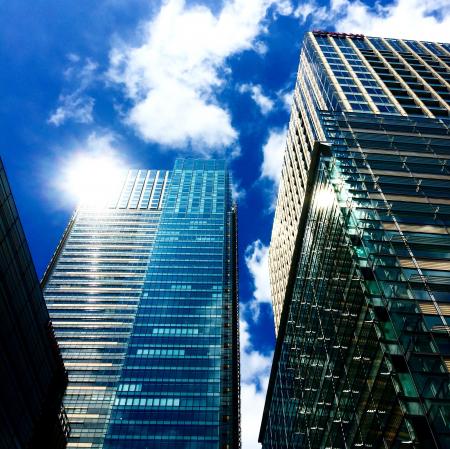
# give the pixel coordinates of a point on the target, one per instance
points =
(144, 302)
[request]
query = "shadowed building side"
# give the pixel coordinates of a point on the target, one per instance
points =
(32, 374)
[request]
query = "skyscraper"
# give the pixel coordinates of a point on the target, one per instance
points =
(359, 255)
(32, 374)
(143, 296)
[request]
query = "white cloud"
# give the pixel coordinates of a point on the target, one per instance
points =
(73, 57)
(76, 105)
(82, 74)
(255, 371)
(273, 153)
(104, 142)
(261, 48)
(407, 19)
(284, 7)
(257, 261)
(310, 8)
(172, 78)
(237, 191)
(98, 145)
(255, 365)
(255, 90)
(287, 101)
(252, 406)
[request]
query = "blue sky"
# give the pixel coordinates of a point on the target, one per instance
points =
(148, 81)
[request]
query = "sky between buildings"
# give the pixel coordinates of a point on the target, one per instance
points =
(148, 81)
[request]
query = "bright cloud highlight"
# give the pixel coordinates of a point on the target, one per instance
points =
(255, 371)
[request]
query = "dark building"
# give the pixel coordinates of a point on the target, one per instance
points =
(32, 374)
(143, 296)
(360, 250)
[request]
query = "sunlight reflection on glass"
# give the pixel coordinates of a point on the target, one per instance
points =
(324, 198)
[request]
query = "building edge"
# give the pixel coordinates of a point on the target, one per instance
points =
(320, 149)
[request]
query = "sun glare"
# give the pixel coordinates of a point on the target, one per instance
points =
(93, 179)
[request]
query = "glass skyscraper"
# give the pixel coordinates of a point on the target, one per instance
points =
(32, 374)
(143, 296)
(360, 250)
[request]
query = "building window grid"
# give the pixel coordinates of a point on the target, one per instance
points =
(391, 284)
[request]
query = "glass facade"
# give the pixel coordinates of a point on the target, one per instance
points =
(361, 310)
(144, 301)
(32, 373)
